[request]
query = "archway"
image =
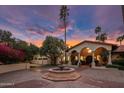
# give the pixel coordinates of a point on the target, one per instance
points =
(86, 56)
(74, 57)
(101, 56)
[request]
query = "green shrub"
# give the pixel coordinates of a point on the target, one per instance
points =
(112, 66)
(121, 68)
(118, 62)
(7, 60)
(115, 66)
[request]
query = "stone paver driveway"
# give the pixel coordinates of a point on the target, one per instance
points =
(90, 78)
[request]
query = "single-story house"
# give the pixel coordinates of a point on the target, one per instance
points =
(91, 53)
(118, 53)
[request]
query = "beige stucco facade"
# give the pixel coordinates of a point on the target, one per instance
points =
(92, 46)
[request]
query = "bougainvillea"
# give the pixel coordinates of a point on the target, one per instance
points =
(11, 53)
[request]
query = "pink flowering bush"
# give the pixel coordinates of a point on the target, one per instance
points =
(8, 54)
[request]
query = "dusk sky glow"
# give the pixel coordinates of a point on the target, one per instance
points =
(34, 23)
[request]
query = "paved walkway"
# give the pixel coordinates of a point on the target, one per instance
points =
(90, 78)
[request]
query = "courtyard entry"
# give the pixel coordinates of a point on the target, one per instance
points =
(90, 53)
(86, 56)
(74, 57)
(101, 56)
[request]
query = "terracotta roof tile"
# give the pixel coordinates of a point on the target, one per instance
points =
(95, 42)
(119, 49)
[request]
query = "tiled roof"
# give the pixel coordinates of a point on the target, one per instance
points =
(119, 49)
(95, 42)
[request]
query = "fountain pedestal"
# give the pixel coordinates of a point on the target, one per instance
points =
(67, 74)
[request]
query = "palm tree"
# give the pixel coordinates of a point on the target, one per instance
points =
(98, 30)
(63, 17)
(100, 35)
(103, 37)
(120, 39)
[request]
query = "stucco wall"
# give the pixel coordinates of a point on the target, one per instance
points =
(13, 67)
(42, 62)
(92, 46)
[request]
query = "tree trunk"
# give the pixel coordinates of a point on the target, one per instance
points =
(53, 61)
(120, 42)
(65, 40)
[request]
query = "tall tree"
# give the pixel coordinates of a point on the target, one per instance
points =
(64, 13)
(120, 39)
(5, 36)
(52, 48)
(17, 44)
(98, 30)
(30, 50)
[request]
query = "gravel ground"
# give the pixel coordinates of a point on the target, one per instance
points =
(90, 78)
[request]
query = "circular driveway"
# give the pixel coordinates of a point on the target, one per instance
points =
(90, 78)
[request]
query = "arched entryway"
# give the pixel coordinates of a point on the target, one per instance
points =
(85, 52)
(101, 56)
(86, 56)
(74, 57)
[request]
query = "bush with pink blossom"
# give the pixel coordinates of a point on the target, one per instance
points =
(10, 55)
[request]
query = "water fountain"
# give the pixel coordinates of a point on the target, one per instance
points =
(61, 73)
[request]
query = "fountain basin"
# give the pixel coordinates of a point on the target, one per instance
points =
(67, 74)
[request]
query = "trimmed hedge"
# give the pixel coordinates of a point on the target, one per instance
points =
(112, 66)
(115, 66)
(118, 62)
(121, 68)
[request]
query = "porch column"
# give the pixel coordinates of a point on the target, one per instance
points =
(93, 61)
(109, 59)
(69, 59)
(78, 59)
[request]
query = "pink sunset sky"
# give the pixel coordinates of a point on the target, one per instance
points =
(34, 23)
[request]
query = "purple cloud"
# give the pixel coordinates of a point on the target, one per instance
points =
(33, 23)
